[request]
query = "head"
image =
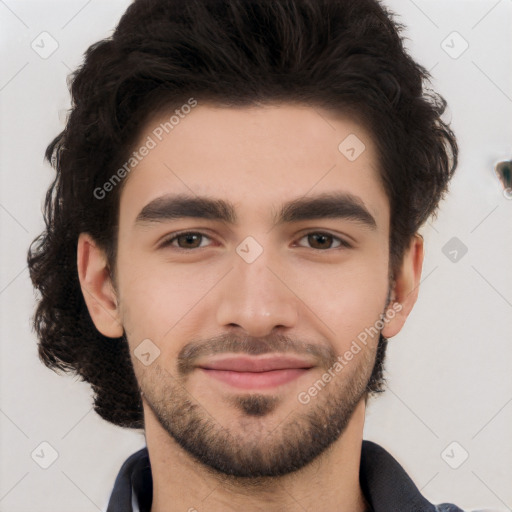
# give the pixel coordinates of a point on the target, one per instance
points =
(246, 111)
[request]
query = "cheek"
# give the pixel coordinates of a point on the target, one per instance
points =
(347, 298)
(160, 299)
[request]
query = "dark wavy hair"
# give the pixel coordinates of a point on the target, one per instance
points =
(343, 55)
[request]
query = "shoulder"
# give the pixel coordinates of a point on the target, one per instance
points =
(448, 507)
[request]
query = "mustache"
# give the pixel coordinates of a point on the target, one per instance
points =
(249, 345)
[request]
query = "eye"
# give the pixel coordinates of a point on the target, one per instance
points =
(195, 240)
(322, 241)
(186, 240)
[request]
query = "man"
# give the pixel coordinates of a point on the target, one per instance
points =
(231, 239)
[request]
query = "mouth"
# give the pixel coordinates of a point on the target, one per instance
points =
(256, 373)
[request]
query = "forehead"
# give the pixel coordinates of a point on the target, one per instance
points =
(254, 157)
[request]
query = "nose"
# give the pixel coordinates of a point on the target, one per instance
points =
(256, 298)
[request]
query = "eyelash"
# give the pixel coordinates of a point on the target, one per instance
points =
(168, 242)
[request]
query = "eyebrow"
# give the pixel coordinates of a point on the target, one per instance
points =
(333, 206)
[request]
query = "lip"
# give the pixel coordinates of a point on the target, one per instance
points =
(256, 373)
(253, 364)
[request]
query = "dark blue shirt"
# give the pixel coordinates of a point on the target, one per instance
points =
(384, 483)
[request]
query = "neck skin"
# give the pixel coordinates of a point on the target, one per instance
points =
(329, 483)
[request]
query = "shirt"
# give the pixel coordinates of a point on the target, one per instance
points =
(384, 483)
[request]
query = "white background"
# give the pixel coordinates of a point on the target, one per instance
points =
(449, 370)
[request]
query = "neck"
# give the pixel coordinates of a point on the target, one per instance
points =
(330, 482)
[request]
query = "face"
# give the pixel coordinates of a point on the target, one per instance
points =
(252, 252)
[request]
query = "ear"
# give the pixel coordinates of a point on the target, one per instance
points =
(406, 287)
(97, 288)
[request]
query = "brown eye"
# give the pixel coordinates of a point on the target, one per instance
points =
(187, 241)
(318, 240)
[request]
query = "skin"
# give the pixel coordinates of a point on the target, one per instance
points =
(296, 294)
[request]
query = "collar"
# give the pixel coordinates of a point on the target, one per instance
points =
(384, 483)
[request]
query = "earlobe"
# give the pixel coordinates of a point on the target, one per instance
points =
(406, 288)
(97, 288)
